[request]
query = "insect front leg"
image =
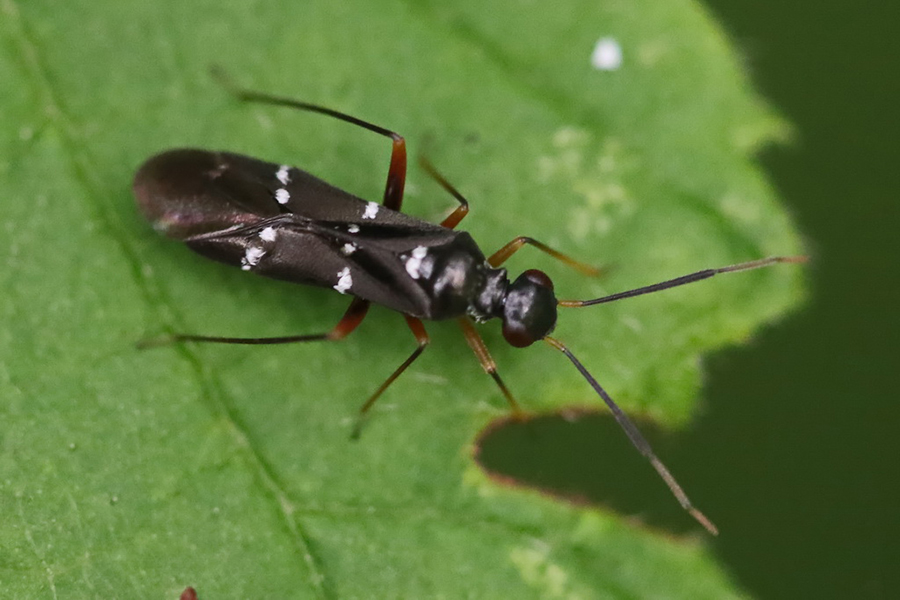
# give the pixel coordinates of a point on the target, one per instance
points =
(500, 256)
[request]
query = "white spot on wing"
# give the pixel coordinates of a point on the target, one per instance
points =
(414, 262)
(348, 249)
(371, 211)
(353, 228)
(267, 234)
(283, 174)
(607, 55)
(252, 256)
(282, 196)
(345, 282)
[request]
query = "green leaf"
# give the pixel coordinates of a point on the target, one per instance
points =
(132, 474)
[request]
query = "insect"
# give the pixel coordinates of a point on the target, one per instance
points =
(279, 221)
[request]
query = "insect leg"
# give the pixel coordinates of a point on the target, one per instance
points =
(462, 210)
(499, 257)
(396, 179)
(350, 321)
(422, 337)
(189, 593)
(487, 362)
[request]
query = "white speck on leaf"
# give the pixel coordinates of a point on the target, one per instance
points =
(607, 55)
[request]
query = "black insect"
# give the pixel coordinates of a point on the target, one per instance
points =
(281, 222)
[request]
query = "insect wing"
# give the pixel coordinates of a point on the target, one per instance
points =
(305, 195)
(189, 192)
(281, 222)
(295, 249)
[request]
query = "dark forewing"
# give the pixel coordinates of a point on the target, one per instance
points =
(281, 222)
(188, 192)
(366, 260)
(297, 192)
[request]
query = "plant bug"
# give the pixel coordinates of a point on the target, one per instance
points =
(281, 222)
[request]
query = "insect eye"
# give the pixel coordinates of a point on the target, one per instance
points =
(517, 335)
(538, 277)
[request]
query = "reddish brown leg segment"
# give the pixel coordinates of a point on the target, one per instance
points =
(350, 321)
(396, 177)
(189, 593)
(418, 330)
(487, 363)
(453, 219)
(499, 257)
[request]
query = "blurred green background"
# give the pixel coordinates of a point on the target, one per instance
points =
(797, 443)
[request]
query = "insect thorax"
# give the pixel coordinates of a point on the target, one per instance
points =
(458, 280)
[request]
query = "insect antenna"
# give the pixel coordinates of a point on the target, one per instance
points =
(639, 441)
(642, 445)
(685, 279)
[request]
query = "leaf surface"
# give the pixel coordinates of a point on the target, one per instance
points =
(127, 474)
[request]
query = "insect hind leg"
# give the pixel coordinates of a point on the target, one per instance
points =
(500, 256)
(349, 322)
(396, 177)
